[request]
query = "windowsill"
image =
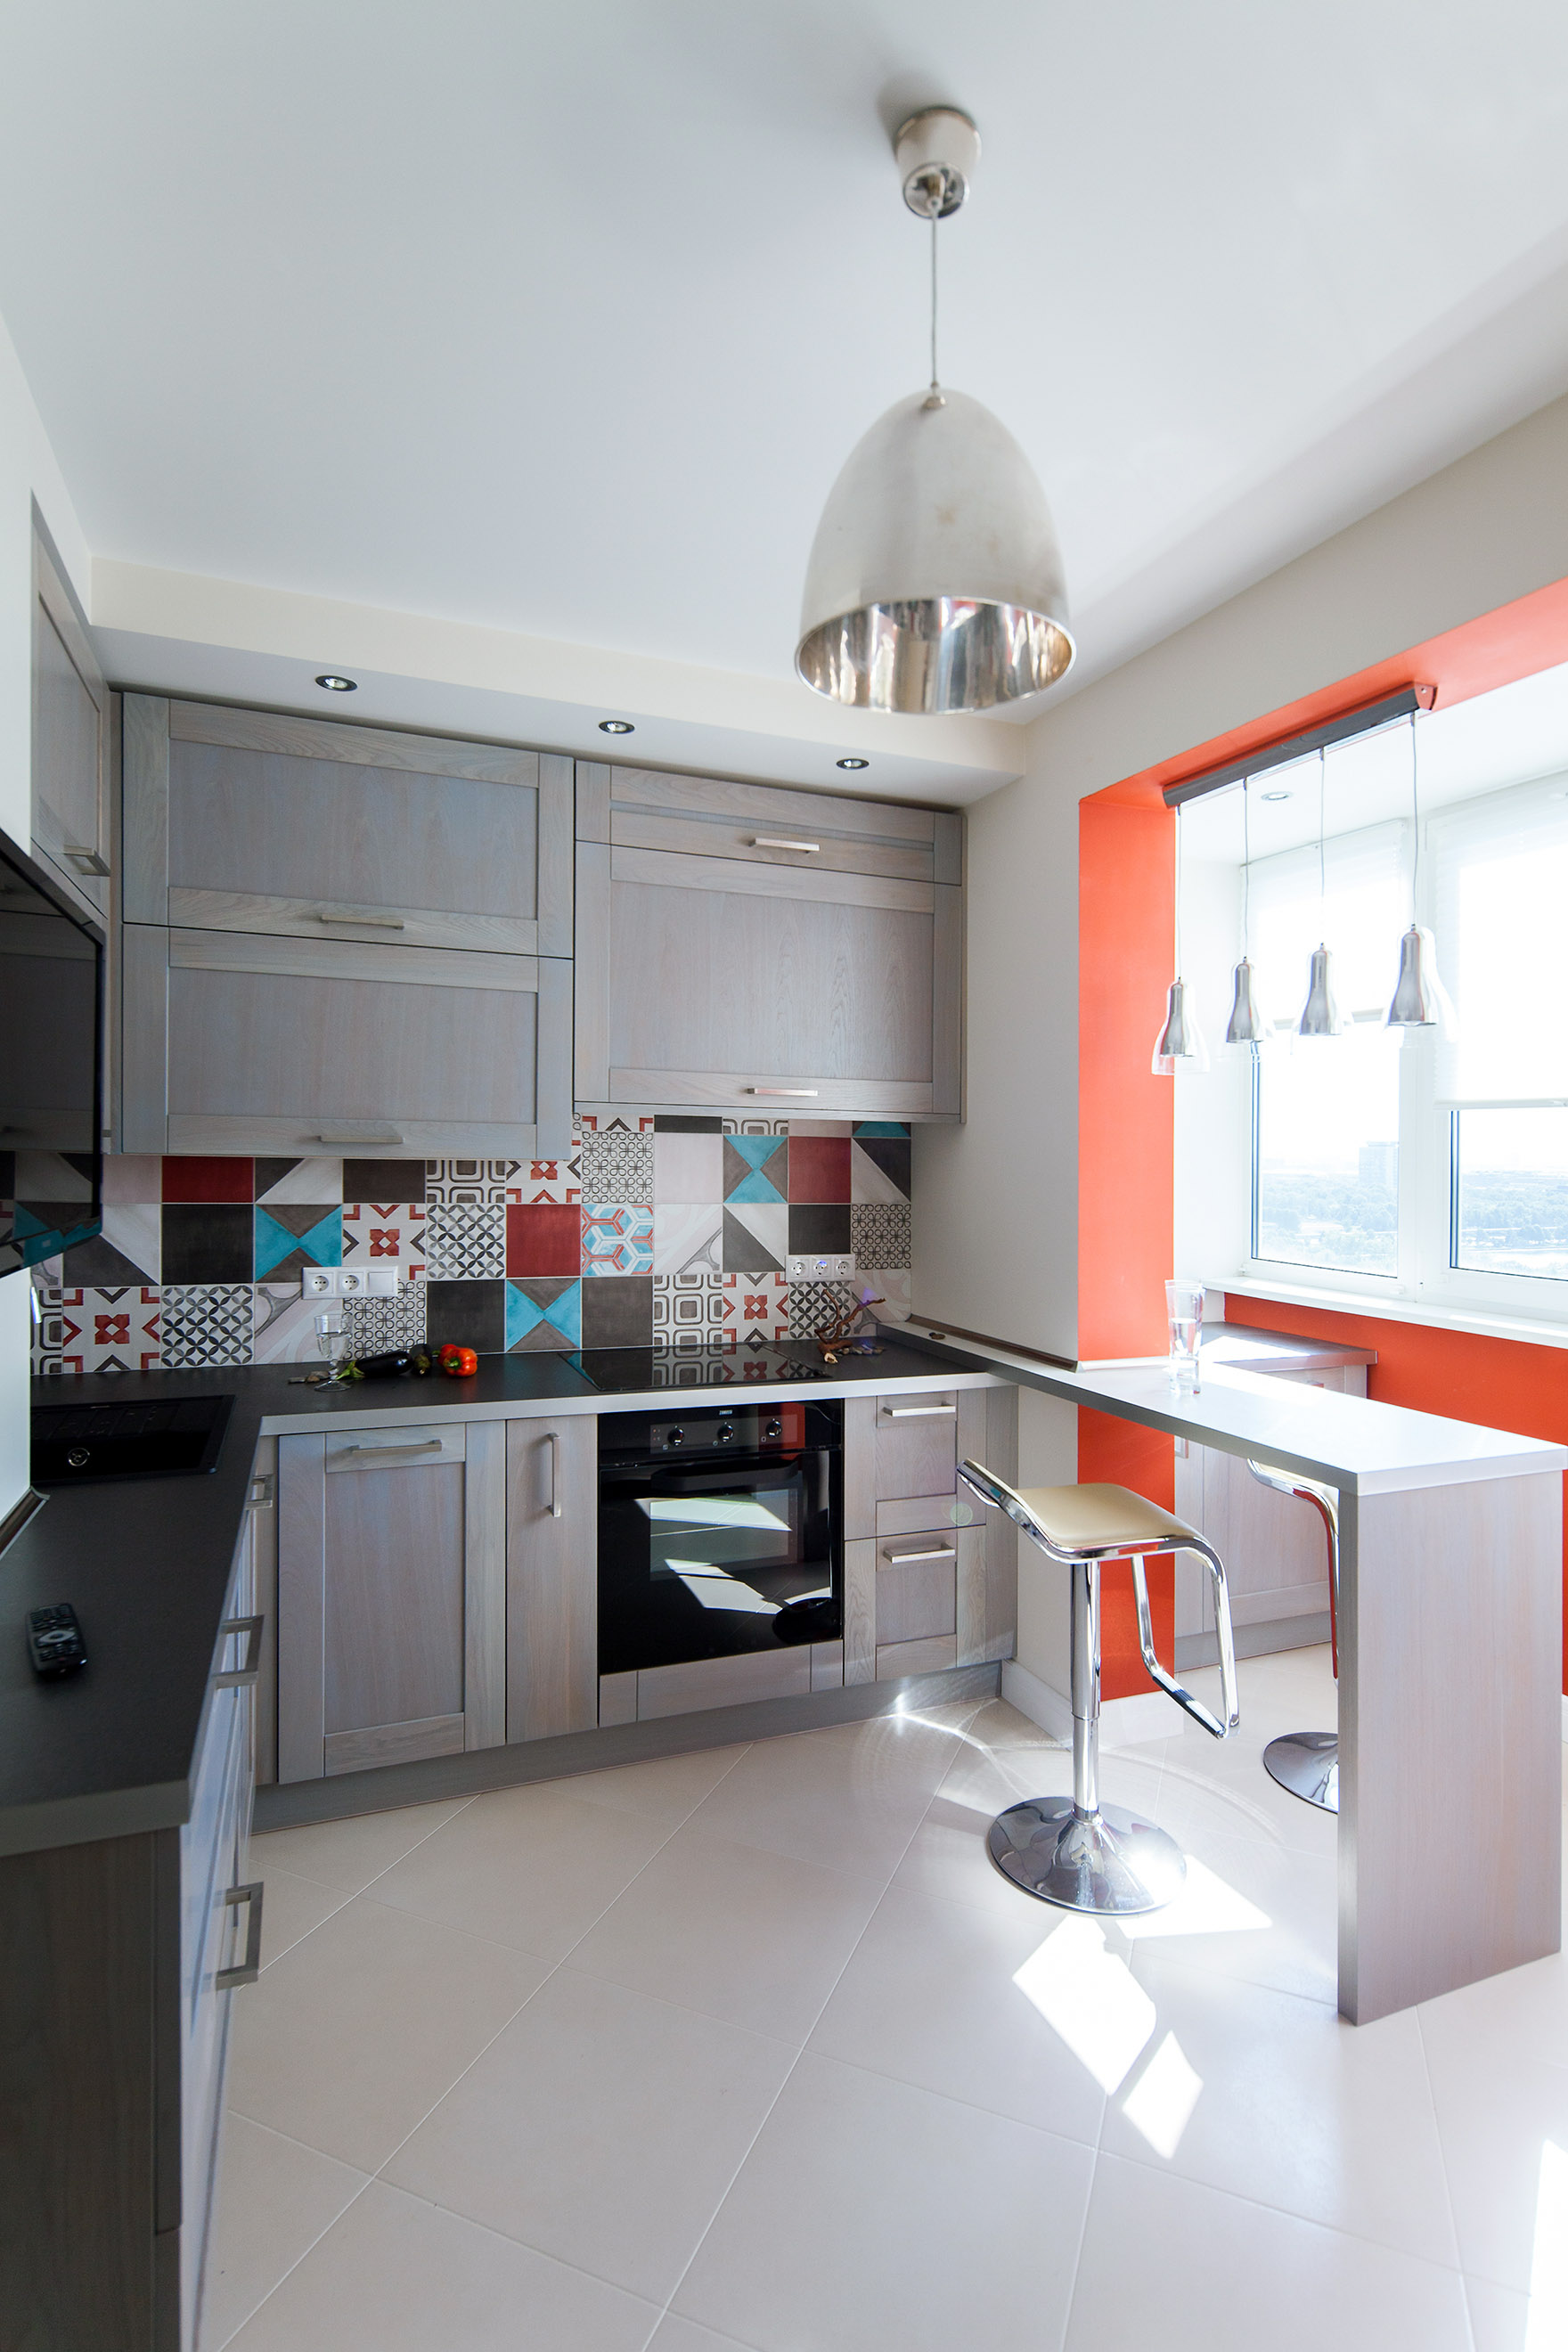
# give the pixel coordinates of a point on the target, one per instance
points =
(1486, 1322)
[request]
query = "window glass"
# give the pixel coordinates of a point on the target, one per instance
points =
(1511, 1193)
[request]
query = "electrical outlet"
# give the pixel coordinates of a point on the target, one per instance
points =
(348, 1281)
(822, 1269)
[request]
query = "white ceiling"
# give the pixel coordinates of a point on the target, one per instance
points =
(562, 318)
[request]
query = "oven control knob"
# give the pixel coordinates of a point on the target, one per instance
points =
(775, 1429)
(675, 1437)
(725, 1432)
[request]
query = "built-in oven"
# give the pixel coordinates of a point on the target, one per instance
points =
(718, 1532)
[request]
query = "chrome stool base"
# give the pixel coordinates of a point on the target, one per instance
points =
(1307, 1764)
(1109, 1862)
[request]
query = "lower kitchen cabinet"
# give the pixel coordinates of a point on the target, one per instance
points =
(552, 1576)
(121, 1958)
(391, 1595)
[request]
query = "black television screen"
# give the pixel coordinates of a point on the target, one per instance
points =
(51, 1068)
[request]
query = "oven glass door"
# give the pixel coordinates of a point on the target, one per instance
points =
(705, 1563)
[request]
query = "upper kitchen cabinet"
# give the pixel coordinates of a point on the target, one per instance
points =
(340, 937)
(741, 947)
(72, 821)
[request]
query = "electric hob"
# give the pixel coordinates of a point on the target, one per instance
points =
(624, 1371)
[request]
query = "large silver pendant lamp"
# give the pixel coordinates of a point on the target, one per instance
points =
(1246, 1025)
(1420, 999)
(935, 582)
(1320, 1012)
(1180, 1039)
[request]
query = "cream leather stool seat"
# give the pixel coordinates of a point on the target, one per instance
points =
(1080, 1853)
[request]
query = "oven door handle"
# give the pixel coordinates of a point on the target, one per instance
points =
(721, 1470)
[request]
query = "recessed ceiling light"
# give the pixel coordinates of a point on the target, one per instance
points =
(616, 726)
(854, 763)
(1276, 796)
(336, 685)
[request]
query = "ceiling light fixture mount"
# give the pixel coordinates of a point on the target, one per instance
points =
(616, 726)
(935, 583)
(335, 683)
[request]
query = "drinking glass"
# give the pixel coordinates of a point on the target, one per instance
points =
(1185, 1308)
(331, 1337)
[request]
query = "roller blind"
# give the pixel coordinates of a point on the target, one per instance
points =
(1499, 901)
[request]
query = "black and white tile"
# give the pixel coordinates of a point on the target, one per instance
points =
(467, 1183)
(466, 1241)
(208, 1323)
(879, 1232)
(617, 1166)
(816, 1306)
(688, 1309)
(376, 1326)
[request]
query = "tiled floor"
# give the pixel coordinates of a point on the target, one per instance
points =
(753, 2052)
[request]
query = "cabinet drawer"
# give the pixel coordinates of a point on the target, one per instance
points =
(706, 816)
(895, 1659)
(916, 1442)
(422, 1445)
(917, 1587)
(917, 1515)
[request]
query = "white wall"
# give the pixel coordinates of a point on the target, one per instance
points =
(27, 470)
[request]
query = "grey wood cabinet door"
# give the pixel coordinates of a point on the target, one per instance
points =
(552, 1576)
(259, 820)
(749, 948)
(391, 1596)
(237, 1041)
(72, 817)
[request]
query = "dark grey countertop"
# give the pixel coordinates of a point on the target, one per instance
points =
(145, 1564)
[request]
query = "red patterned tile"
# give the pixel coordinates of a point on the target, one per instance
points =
(543, 1237)
(818, 1167)
(209, 1179)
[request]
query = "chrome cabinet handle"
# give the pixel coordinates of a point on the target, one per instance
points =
(241, 1677)
(897, 1558)
(85, 860)
(918, 1411)
(366, 922)
(382, 1135)
(262, 1488)
(553, 1440)
(249, 1969)
(388, 1453)
(773, 841)
(807, 1094)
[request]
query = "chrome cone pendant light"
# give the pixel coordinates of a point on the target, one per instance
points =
(935, 582)
(1246, 1026)
(1180, 1039)
(1320, 1014)
(1420, 999)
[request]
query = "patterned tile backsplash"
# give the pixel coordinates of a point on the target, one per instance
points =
(669, 1230)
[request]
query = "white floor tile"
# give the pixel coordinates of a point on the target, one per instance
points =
(1166, 2263)
(275, 2198)
(676, 2335)
(350, 1853)
(1262, 1914)
(929, 1997)
(601, 2126)
(531, 1868)
(871, 2216)
(349, 2038)
(395, 2275)
(290, 1906)
(850, 1798)
(755, 1937)
(1500, 2320)
(1502, 2115)
(1278, 2099)
(666, 1788)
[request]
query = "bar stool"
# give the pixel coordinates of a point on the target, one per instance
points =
(1308, 1762)
(1080, 1853)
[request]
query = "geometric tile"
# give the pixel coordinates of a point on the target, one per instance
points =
(818, 1167)
(129, 1248)
(884, 1126)
(688, 1310)
(686, 1236)
(293, 1234)
(470, 1183)
(305, 1180)
(879, 1232)
(816, 1305)
(617, 1240)
(819, 1231)
(110, 1330)
(283, 1329)
(880, 1168)
(209, 1242)
(466, 1314)
(754, 1168)
(208, 1179)
(377, 1326)
(386, 1233)
(733, 1126)
(756, 1234)
(134, 1178)
(466, 1241)
(544, 1311)
(617, 1167)
(547, 1180)
(688, 1167)
(617, 1312)
(820, 1126)
(48, 1331)
(208, 1323)
(544, 1237)
(384, 1179)
(755, 1308)
(891, 1285)
(686, 1123)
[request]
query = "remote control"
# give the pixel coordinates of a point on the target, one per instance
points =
(54, 1641)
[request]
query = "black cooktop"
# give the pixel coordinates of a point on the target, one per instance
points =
(622, 1371)
(74, 1445)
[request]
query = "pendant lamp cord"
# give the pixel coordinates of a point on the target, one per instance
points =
(1178, 889)
(934, 384)
(1416, 828)
(1245, 869)
(1323, 882)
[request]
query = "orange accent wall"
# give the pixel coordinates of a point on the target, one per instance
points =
(1126, 1116)
(1127, 941)
(1500, 1383)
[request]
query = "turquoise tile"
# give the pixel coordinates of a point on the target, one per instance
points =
(285, 1242)
(882, 1126)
